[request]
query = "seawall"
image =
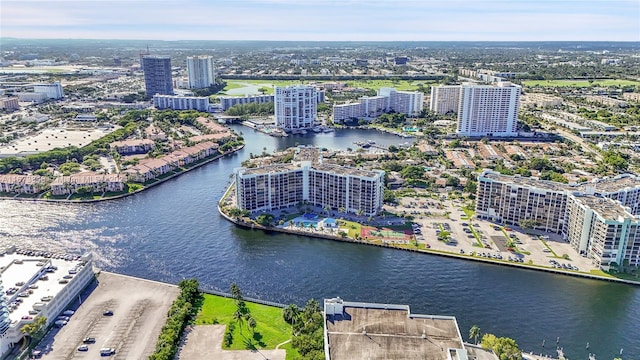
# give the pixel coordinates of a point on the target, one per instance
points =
(255, 226)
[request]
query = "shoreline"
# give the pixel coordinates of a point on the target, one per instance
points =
(254, 226)
(121, 196)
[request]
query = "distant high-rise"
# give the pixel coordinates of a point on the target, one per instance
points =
(201, 71)
(157, 75)
(445, 99)
(487, 110)
(295, 107)
(406, 102)
(52, 91)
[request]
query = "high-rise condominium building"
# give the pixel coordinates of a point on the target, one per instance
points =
(445, 99)
(405, 102)
(600, 219)
(281, 186)
(201, 71)
(295, 107)
(487, 110)
(200, 103)
(157, 75)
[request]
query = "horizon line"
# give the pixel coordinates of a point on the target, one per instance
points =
(324, 41)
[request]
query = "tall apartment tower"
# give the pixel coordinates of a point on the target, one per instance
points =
(487, 110)
(157, 75)
(201, 71)
(406, 102)
(445, 99)
(295, 107)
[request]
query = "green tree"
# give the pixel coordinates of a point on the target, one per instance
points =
(528, 223)
(505, 348)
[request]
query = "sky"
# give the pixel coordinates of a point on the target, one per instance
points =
(324, 20)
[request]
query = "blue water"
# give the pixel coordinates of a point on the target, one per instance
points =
(173, 231)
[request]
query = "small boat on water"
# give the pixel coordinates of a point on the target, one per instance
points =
(328, 130)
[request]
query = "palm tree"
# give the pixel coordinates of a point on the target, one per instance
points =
(238, 316)
(251, 322)
(474, 333)
(290, 313)
(235, 291)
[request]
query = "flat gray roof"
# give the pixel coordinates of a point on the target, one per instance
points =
(526, 181)
(607, 208)
(17, 268)
(368, 333)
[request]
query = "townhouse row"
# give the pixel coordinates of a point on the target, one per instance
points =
(145, 170)
(600, 219)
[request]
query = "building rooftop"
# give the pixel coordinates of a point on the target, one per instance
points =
(612, 184)
(275, 168)
(378, 331)
(22, 272)
(606, 208)
(344, 170)
(525, 181)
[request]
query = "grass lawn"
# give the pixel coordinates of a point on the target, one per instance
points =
(402, 85)
(270, 331)
(354, 227)
(579, 83)
(232, 85)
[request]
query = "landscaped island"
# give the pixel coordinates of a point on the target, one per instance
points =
(146, 149)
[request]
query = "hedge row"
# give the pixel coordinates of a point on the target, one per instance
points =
(180, 314)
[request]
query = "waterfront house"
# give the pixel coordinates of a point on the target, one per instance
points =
(97, 183)
(133, 146)
(22, 184)
(149, 169)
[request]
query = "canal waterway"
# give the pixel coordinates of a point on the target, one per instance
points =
(173, 231)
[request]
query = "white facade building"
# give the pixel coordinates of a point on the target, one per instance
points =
(600, 218)
(227, 102)
(45, 286)
(181, 102)
(445, 99)
(295, 107)
(201, 71)
(487, 110)
(405, 102)
(348, 111)
(52, 91)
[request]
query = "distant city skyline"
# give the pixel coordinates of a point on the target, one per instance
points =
(328, 20)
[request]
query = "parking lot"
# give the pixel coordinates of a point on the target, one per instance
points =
(481, 238)
(122, 313)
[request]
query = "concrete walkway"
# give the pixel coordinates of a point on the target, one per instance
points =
(205, 342)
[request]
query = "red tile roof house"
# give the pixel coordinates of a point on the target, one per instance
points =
(22, 184)
(214, 137)
(135, 146)
(149, 169)
(65, 185)
(212, 125)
